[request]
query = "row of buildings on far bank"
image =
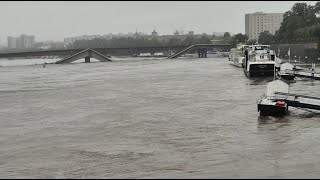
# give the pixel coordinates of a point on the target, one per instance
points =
(255, 23)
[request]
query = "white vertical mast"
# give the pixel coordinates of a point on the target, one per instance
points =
(274, 71)
(289, 54)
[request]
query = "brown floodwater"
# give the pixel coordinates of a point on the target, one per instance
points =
(157, 118)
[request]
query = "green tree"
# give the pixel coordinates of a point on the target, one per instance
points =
(173, 42)
(317, 9)
(241, 38)
(226, 35)
(218, 37)
(189, 40)
(238, 38)
(251, 41)
(204, 40)
(266, 38)
(297, 21)
(317, 12)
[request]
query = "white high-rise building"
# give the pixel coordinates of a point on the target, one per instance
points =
(259, 22)
(24, 41)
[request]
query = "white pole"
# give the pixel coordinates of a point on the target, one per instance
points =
(289, 58)
(274, 72)
(289, 53)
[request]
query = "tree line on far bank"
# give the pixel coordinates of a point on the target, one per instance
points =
(301, 23)
(141, 42)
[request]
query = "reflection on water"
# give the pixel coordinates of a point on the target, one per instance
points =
(272, 120)
(151, 118)
(260, 80)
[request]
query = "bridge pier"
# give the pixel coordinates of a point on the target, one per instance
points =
(87, 59)
(202, 53)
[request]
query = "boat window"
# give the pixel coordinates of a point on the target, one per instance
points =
(272, 57)
(261, 48)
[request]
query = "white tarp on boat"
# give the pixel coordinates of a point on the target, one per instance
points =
(277, 86)
(286, 66)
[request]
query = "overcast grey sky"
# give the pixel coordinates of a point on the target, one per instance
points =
(56, 20)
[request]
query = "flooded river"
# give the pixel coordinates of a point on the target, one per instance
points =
(182, 118)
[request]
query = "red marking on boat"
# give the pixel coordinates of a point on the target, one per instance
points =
(280, 103)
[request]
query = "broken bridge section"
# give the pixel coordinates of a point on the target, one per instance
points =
(86, 54)
(200, 48)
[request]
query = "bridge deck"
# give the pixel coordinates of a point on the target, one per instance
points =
(127, 50)
(87, 53)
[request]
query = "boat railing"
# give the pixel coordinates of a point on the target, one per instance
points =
(264, 96)
(273, 97)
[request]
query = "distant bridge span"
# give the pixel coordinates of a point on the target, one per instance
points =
(116, 51)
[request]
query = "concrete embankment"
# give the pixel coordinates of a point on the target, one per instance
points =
(305, 52)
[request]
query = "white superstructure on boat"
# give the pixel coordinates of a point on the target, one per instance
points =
(259, 61)
(269, 104)
(237, 56)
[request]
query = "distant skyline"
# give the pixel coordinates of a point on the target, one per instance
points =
(57, 20)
